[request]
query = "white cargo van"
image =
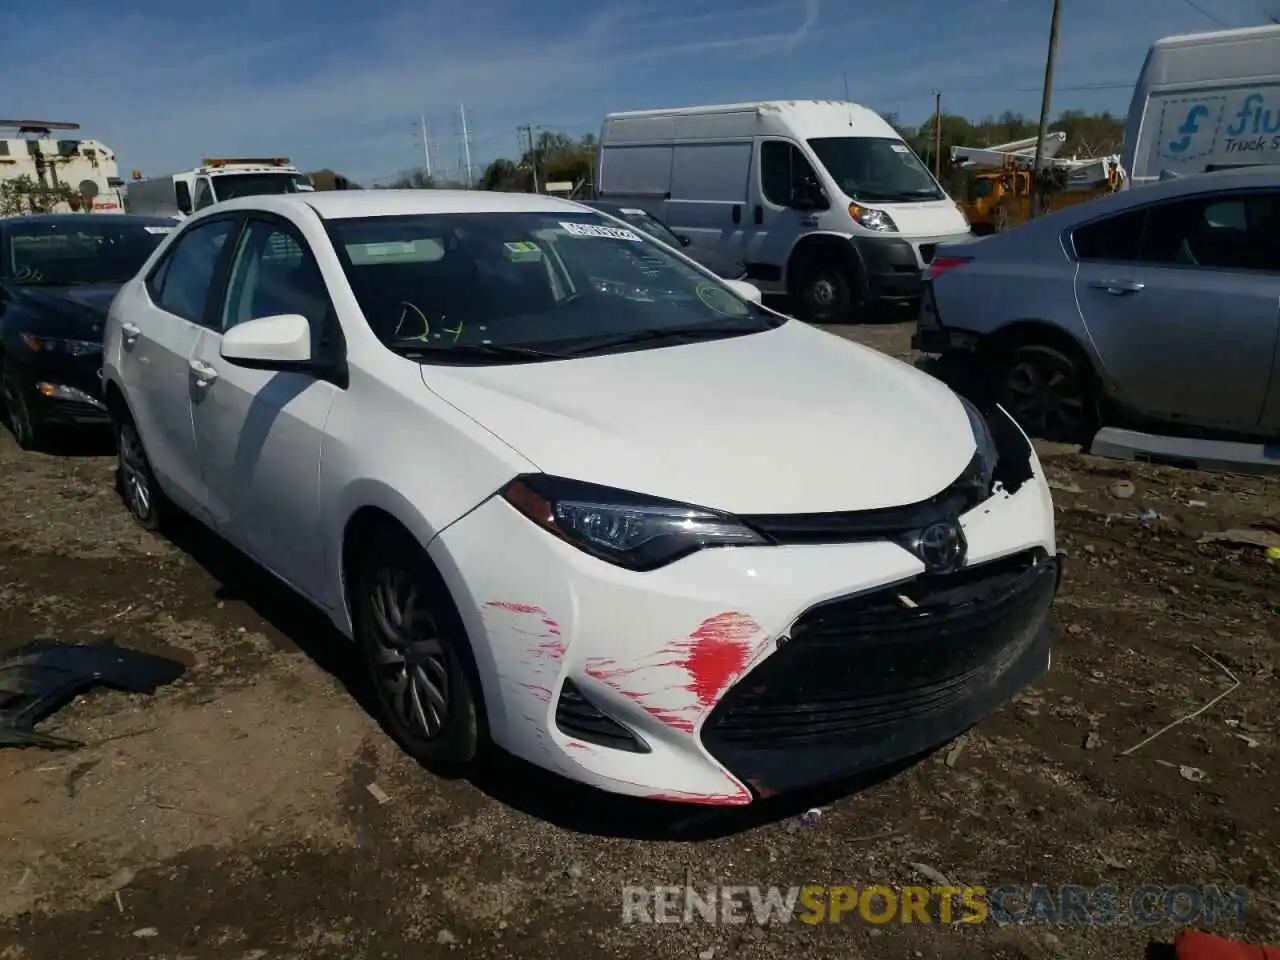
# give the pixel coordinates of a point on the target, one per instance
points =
(1206, 101)
(821, 199)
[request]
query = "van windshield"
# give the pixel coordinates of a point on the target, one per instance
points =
(231, 185)
(876, 169)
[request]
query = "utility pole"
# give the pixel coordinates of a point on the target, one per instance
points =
(527, 142)
(426, 145)
(1046, 97)
(466, 144)
(937, 134)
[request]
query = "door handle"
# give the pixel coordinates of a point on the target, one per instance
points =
(130, 331)
(758, 215)
(1118, 288)
(737, 213)
(205, 374)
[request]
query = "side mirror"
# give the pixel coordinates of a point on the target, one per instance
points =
(281, 342)
(684, 241)
(747, 291)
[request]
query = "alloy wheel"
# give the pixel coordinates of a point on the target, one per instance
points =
(1046, 399)
(135, 474)
(409, 659)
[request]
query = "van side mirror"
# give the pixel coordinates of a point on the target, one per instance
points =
(684, 240)
(808, 194)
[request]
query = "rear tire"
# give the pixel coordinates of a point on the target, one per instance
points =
(135, 481)
(1050, 393)
(419, 658)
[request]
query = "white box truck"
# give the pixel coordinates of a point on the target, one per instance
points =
(821, 199)
(69, 174)
(1205, 101)
(178, 195)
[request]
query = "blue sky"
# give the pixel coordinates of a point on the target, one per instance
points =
(342, 84)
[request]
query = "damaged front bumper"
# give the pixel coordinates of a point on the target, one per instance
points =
(738, 673)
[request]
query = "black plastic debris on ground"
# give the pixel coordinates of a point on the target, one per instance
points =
(44, 675)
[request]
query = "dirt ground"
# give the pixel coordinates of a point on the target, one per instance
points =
(232, 815)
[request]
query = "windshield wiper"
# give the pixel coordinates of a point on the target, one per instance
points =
(418, 349)
(673, 334)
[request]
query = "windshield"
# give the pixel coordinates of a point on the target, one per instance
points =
(876, 169)
(570, 282)
(98, 248)
(230, 185)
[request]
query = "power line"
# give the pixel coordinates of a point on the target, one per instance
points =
(1203, 12)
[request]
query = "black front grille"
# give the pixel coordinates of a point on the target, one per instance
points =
(899, 654)
(576, 716)
(927, 251)
(886, 523)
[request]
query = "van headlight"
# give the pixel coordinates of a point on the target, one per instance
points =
(626, 529)
(872, 219)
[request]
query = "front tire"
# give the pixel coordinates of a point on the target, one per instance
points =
(418, 655)
(27, 431)
(824, 291)
(135, 480)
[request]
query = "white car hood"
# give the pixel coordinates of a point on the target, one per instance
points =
(791, 420)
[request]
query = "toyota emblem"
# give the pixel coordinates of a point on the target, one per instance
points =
(941, 546)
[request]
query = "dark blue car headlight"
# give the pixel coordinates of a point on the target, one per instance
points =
(623, 528)
(61, 345)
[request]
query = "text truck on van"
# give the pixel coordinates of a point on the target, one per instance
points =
(821, 199)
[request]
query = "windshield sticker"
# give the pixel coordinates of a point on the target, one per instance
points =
(158, 229)
(899, 148)
(522, 251)
(599, 232)
(632, 212)
(720, 300)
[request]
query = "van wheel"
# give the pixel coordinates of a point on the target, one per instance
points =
(823, 292)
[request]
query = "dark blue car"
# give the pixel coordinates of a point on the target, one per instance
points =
(58, 276)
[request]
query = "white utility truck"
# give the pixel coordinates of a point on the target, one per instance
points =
(821, 199)
(1205, 101)
(66, 175)
(178, 195)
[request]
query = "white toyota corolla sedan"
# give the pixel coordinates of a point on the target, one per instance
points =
(575, 496)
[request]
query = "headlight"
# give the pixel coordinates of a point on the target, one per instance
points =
(983, 465)
(74, 348)
(626, 529)
(872, 219)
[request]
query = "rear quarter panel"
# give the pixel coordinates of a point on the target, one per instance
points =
(1021, 275)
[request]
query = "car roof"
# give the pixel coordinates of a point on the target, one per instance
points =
(1260, 176)
(351, 204)
(137, 218)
